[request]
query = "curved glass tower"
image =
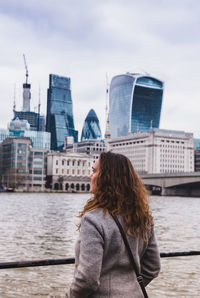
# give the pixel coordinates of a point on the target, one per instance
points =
(91, 128)
(59, 120)
(135, 103)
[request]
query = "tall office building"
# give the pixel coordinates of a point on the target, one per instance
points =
(59, 121)
(91, 128)
(134, 104)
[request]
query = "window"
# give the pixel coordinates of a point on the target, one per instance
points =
(37, 172)
(37, 178)
(38, 153)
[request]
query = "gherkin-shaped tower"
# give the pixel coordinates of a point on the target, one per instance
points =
(91, 128)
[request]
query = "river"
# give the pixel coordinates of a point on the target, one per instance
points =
(41, 226)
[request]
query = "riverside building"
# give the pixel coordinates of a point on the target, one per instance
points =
(59, 119)
(135, 103)
(157, 150)
(69, 171)
(22, 166)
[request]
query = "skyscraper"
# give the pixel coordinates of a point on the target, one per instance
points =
(91, 128)
(134, 104)
(59, 121)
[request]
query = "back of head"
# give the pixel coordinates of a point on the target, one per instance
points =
(117, 178)
(119, 190)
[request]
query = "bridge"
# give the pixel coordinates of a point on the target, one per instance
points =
(173, 184)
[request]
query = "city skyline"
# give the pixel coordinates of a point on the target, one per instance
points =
(84, 41)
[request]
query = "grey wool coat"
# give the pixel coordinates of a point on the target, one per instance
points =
(102, 266)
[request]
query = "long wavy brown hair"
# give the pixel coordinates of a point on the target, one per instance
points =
(119, 190)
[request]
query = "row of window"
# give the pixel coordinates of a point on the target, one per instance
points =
(128, 143)
(73, 163)
(72, 186)
(171, 171)
(73, 172)
(171, 166)
(172, 146)
(170, 161)
(177, 157)
(177, 152)
(172, 141)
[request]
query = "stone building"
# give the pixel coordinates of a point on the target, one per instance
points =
(157, 150)
(69, 171)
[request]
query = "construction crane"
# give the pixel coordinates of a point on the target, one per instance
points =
(26, 68)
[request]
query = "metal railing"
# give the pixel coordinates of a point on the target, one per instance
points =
(50, 262)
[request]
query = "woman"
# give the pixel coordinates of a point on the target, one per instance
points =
(102, 266)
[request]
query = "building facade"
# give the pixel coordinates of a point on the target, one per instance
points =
(59, 119)
(32, 118)
(91, 128)
(157, 151)
(22, 166)
(135, 103)
(68, 171)
(92, 148)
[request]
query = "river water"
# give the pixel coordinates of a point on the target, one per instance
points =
(41, 226)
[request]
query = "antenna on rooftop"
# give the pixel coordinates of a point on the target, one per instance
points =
(39, 102)
(107, 93)
(26, 68)
(14, 100)
(107, 133)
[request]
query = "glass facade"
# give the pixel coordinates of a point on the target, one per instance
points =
(31, 117)
(40, 139)
(59, 121)
(21, 164)
(135, 104)
(91, 128)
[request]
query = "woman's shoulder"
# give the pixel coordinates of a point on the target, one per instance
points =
(97, 215)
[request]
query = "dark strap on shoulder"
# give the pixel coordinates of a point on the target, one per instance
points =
(139, 276)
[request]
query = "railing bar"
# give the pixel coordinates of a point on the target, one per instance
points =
(50, 262)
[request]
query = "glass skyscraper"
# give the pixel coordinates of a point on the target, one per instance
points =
(59, 121)
(135, 103)
(91, 128)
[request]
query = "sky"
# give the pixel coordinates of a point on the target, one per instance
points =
(89, 40)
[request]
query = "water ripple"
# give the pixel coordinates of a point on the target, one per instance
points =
(41, 226)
